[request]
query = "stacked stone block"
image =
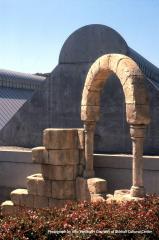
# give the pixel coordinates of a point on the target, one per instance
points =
(91, 189)
(61, 178)
(61, 160)
(63, 147)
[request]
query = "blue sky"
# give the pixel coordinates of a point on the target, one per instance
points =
(33, 31)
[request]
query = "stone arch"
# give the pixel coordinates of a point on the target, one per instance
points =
(137, 108)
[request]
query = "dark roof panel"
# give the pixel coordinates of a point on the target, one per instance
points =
(20, 80)
(11, 100)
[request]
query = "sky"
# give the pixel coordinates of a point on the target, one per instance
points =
(33, 31)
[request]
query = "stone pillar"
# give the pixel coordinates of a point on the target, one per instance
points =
(89, 128)
(137, 135)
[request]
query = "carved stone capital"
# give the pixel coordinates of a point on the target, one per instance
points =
(89, 126)
(137, 131)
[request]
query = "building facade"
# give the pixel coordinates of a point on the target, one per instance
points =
(56, 103)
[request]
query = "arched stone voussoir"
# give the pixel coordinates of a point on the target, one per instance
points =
(135, 92)
(90, 97)
(127, 68)
(97, 75)
(97, 71)
(115, 60)
(90, 113)
(132, 80)
(137, 114)
(103, 62)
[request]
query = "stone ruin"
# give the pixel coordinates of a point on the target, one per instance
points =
(137, 111)
(66, 157)
(61, 178)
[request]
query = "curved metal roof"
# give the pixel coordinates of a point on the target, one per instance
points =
(88, 43)
(151, 71)
(14, 79)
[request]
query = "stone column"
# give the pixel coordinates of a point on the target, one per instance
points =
(89, 128)
(137, 135)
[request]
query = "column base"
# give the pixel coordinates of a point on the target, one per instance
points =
(137, 191)
(89, 174)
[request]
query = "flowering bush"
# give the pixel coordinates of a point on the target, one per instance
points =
(84, 220)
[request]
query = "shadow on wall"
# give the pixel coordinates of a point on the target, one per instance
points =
(112, 131)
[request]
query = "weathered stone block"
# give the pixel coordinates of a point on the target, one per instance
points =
(90, 113)
(32, 183)
(97, 85)
(44, 188)
(82, 157)
(37, 185)
(115, 63)
(41, 202)
(104, 62)
(121, 192)
(81, 165)
(63, 190)
(137, 114)
(135, 92)
(126, 68)
(20, 197)
(109, 198)
(39, 155)
(59, 172)
(8, 208)
(97, 71)
(97, 185)
(98, 197)
(27, 200)
(64, 138)
(90, 97)
(16, 196)
(88, 189)
(64, 157)
(123, 195)
(82, 192)
(80, 170)
(59, 203)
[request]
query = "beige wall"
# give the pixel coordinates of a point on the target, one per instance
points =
(16, 165)
(116, 169)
